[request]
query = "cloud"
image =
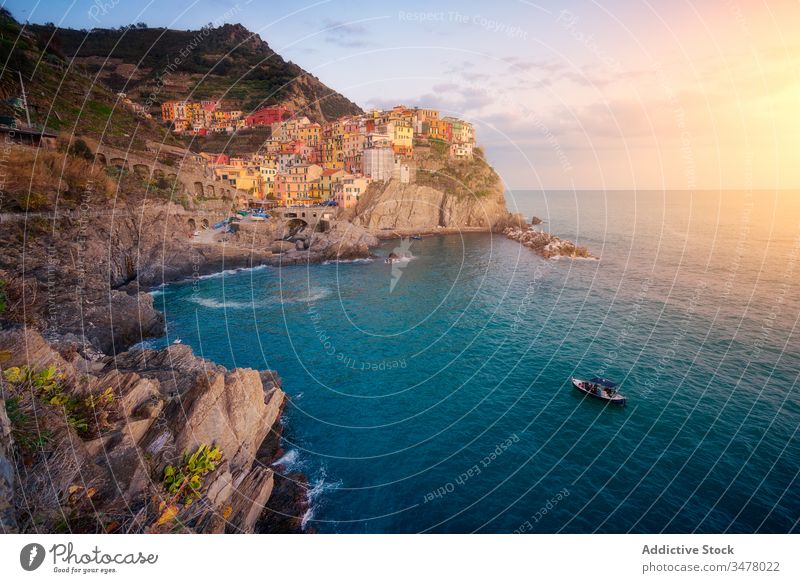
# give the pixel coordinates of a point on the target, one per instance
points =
(345, 35)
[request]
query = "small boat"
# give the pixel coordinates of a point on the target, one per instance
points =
(417, 237)
(600, 388)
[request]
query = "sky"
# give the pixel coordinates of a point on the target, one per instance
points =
(676, 95)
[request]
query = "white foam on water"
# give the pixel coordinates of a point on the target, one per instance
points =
(313, 295)
(315, 493)
(219, 305)
(335, 261)
(288, 460)
(232, 271)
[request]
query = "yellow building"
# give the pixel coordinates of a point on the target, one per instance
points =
(310, 134)
(330, 177)
(402, 136)
(297, 184)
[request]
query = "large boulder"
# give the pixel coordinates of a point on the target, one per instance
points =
(282, 246)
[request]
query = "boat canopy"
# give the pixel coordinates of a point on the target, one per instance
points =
(603, 382)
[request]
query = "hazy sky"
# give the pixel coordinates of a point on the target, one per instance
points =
(701, 94)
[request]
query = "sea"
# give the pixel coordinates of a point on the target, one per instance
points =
(434, 394)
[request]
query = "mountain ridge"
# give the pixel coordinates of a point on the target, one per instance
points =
(227, 61)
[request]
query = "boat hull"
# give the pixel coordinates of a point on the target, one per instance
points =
(583, 387)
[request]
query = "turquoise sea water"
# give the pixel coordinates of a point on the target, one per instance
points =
(434, 395)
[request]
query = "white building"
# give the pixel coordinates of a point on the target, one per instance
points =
(461, 151)
(404, 172)
(378, 163)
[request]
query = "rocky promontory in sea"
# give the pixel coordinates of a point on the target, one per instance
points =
(446, 196)
(545, 244)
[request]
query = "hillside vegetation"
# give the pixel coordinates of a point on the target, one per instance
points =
(462, 178)
(63, 97)
(227, 61)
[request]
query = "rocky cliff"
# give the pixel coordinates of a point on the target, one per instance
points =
(446, 195)
(413, 208)
(89, 445)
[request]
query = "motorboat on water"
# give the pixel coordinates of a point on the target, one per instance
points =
(600, 388)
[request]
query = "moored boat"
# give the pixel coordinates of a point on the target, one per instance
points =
(600, 388)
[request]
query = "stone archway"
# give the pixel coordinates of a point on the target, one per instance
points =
(198, 188)
(192, 225)
(210, 190)
(204, 223)
(119, 163)
(101, 158)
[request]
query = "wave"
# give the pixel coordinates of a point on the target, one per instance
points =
(232, 271)
(288, 460)
(335, 261)
(315, 294)
(315, 492)
(218, 305)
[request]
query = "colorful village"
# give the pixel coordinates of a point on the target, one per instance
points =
(304, 163)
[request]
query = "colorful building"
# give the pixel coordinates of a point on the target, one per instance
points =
(349, 190)
(294, 186)
(267, 116)
(330, 177)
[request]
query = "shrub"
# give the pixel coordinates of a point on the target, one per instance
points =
(34, 178)
(25, 430)
(79, 149)
(186, 481)
(89, 416)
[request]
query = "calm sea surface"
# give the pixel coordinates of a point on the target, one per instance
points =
(434, 395)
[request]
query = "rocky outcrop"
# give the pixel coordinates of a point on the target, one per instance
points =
(165, 404)
(8, 519)
(340, 240)
(84, 272)
(547, 245)
(413, 208)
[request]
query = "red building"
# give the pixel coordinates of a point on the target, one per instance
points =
(267, 116)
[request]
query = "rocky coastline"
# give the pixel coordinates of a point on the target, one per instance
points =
(545, 244)
(76, 286)
(76, 294)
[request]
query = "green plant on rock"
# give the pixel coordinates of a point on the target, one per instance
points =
(186, 481)
(88, 416)
(25, 430)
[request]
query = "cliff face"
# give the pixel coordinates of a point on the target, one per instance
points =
(81, 272)
(414, 208)
(446, 195)
(104, 471)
